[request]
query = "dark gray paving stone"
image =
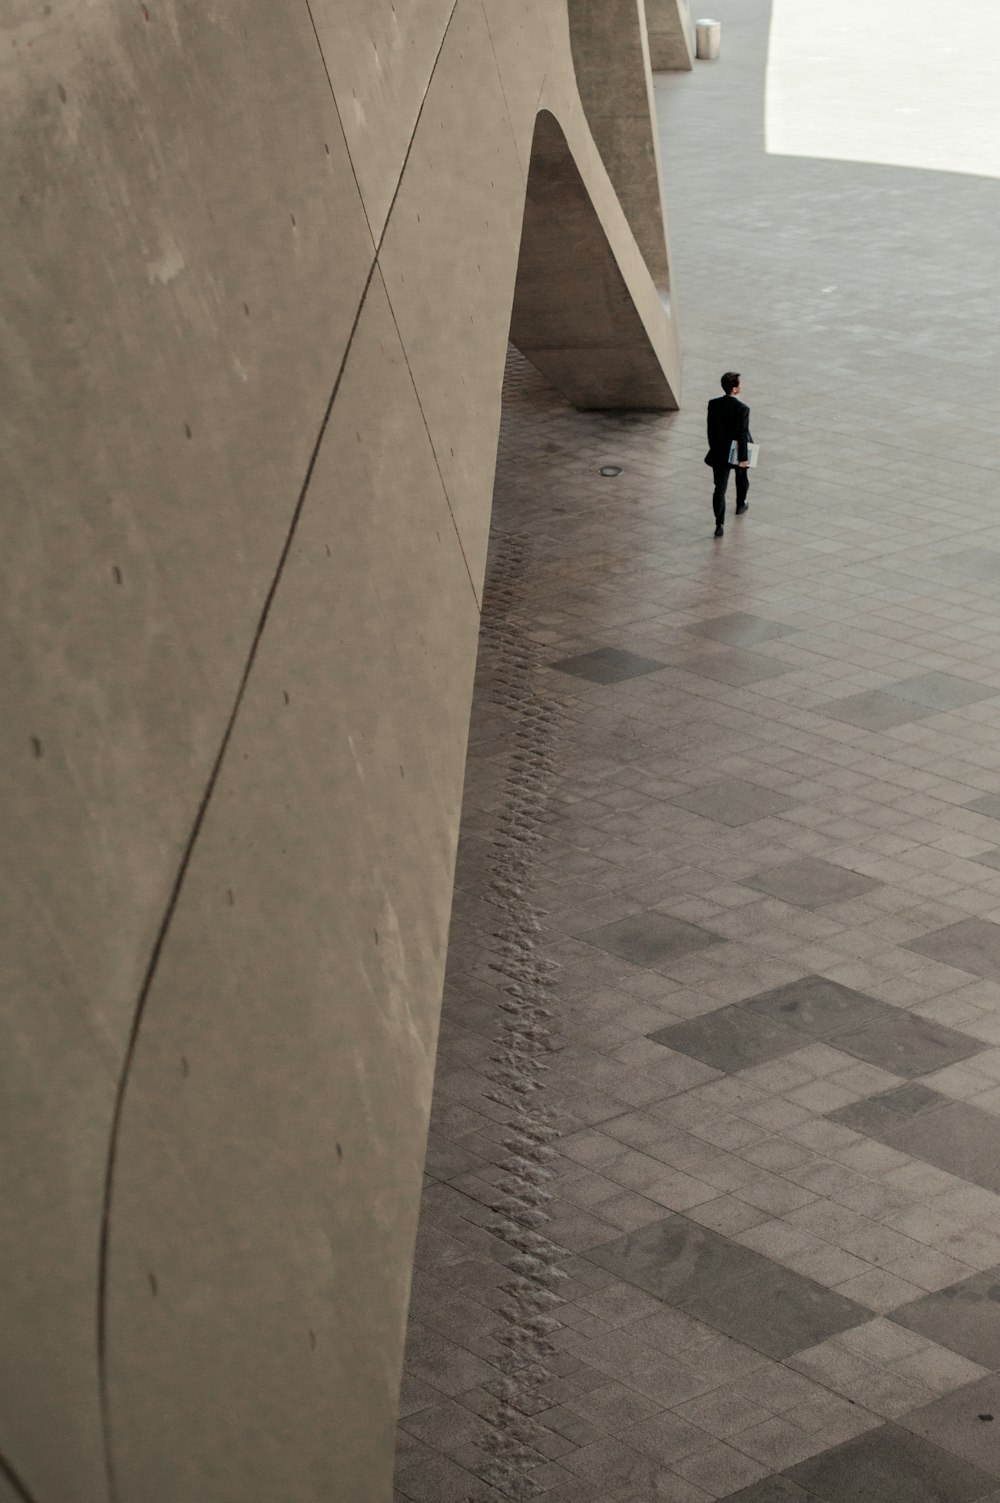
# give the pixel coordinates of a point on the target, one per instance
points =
(955, 1136)
(777, 1311)
(873, 1118)
(964, 1316)
(884, 1114)
(731, 1039)
(739, 667)
(989, 858)
(739, 628)
(733, 803)
(810, 882)
(970, 945)
(891, 1465)
(608, 665)
(677, 1260)
(988, 804)
(913, 1099)
(940, 691)
(733, 1289)
(909, 1046)
(772, 1490)
(650, 938)
(873, 711)
(955, 1422)
(820, 1007)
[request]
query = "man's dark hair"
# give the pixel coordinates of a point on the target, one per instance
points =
(729, 380)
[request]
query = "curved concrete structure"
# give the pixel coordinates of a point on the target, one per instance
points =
(612, 40)
(671, 35)
(259, 284)
(582, 315)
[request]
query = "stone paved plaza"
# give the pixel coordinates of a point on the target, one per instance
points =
(730, 871)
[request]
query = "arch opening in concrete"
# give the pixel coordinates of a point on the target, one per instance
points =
(574, 314)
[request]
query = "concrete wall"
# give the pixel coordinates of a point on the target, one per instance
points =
(257, 290)
(611, 58)
(671, 35)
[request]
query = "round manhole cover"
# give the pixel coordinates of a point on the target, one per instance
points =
(611, 469)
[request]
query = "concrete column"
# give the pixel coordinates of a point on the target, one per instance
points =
(611, 58)
(671, 35)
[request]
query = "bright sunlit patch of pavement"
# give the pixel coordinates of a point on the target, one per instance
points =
(901, 83)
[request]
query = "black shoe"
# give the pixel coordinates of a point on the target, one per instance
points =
(719, 530)
(741, 509)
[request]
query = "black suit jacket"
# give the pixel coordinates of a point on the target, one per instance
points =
(728, 418)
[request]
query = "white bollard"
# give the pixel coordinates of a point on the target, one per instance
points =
(709, 39)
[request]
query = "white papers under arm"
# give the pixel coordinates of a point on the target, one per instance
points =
(752, 452)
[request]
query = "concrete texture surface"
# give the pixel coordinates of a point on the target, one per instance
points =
(671, 35)
(589, 334)
(611, 60)
(258, 286)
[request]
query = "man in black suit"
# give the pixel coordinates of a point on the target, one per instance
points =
(728, 419)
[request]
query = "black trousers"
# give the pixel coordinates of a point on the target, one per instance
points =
(721, 473)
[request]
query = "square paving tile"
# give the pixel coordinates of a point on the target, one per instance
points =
(773, 1490)
(966, 1421)
(618, 1470)
(676, 1259)
(909, 1046)
(941, 691)
(666, 1437)
(739, 628)
(974, 565)
(777, 1311)
(988, 804)
(650, 938)
(890, 1465)
(873, 711)
(989, 858)
(970, 945)
(964, 1317)
(820, 1007)
(891, 1110)
(733, 803)
(739, 667)
(810, 883)
(730, 1039)
(733, 1289)
(956, 1137)
(608, 665)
